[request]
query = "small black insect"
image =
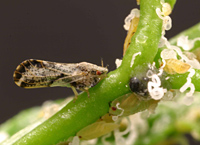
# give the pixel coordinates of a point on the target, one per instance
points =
(139, 86)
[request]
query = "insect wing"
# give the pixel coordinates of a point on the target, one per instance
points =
(131, 104)
(131, 32)
(37, 73)
(67, 80)
(96, 129)
(174, 66)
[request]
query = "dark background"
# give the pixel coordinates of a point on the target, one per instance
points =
(65, 31)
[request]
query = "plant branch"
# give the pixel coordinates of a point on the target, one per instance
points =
(74, 116)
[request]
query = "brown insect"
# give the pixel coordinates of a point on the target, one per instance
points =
(131, 32)
(34, 73)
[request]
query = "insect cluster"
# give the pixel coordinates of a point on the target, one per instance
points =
(125, 105)
(38, 73)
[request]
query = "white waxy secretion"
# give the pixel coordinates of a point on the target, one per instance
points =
(134, 13)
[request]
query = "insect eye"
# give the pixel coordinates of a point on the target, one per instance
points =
(98, 73)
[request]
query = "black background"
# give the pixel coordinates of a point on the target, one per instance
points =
(65, 31)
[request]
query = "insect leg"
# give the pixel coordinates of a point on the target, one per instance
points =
(75, 92)
(86, 89)
(88, 93)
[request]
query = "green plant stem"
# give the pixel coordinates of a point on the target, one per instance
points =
(178, 80)
(16, 123)
(74, 116)
(25, 118)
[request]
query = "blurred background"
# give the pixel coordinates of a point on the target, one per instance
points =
(66, 31)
